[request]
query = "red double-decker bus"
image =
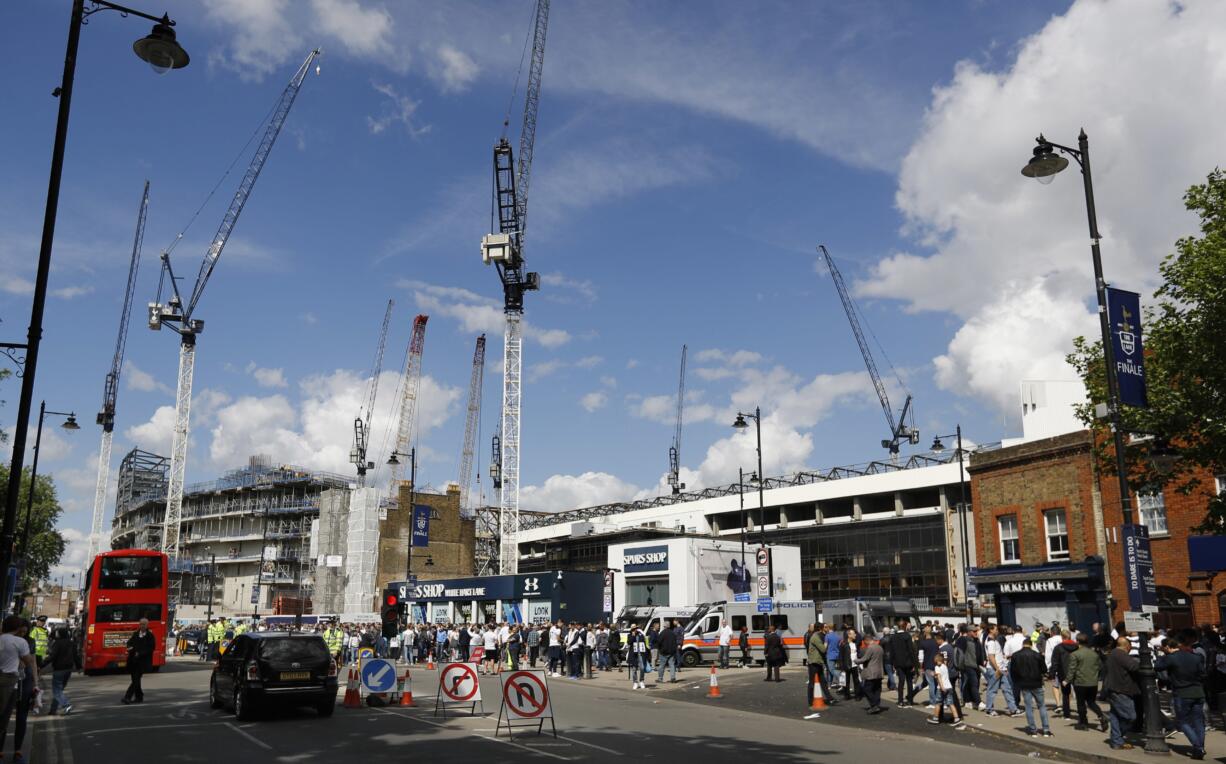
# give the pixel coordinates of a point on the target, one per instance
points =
(122, 587)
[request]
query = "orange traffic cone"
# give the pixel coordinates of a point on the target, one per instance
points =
(819, 700)
(353, 695)
(430, 663)
(713, 692)
(406, 695)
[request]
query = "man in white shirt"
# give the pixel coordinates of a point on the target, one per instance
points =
(555, 647)
(725, 644)
(15, 657)
(1013, 643)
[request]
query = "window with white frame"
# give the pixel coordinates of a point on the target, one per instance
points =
(1010, 547)
(1221, 484)
(1152, 507)
(1057, 534)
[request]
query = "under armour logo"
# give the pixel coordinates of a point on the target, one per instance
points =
(532, 584)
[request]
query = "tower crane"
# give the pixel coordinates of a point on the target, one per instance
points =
(505, 250)
(472, 420)
(361, 427)
(408, 404)
(179, 314)
(110, 390)
(902, 429)
(674, 453)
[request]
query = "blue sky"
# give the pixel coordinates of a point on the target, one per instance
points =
(690, 157)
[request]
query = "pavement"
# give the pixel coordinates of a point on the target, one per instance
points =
(601, 720)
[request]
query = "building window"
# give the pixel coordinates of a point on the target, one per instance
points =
(1057, 534)
(1010, 549)
(1153, 512)
(1221, 484)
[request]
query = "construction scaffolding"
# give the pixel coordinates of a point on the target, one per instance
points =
(362, 551)
(140, 501)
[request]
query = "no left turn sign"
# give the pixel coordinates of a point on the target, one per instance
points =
(526, 696)
(458, 683)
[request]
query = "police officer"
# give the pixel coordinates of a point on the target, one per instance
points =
(334, 638)
(41, 638)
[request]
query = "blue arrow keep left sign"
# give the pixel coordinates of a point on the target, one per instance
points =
(378, 675)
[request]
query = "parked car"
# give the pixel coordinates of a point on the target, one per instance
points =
(193, 640)
(261, 669)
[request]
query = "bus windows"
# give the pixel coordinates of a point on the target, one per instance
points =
(127, 613)
(130, 573)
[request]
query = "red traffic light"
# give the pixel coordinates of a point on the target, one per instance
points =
(392, 600)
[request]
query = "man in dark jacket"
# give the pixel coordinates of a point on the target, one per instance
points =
(873, 670)
(968, 660)
(903, 653)
(464, 641)
(774, 653)
(62, 657)
(666, 645)
(1120, 686)
(140, 659)
(1027, 671)
(1186, 674)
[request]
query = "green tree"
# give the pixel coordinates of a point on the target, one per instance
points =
(1185, 366)
(46, 543)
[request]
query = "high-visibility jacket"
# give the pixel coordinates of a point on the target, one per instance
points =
(240, 629)
(334, 638)
(39, 635)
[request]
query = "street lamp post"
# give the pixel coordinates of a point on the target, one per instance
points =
(23, 556)
(938, 447)
(741, 424)
(1043, 166)
(392, 461)
(162, 52)
(740, 486)
(212, 569)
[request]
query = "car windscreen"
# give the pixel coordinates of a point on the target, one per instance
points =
(130, 573)
(293, 650)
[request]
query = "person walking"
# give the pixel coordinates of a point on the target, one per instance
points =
(872, 669)
(743, 644)
(816, 655)
(615, 647)
(1084, 665)
(945, 687)
(16, 661)
(968, 660)
(927, 645)
(1120, 687)
(636, 652)
(1060, 670)
(667, 648)
(555, 648)
(775, 655)
(140, 659)
(849, 651)
(602, 648)
(725, 644)
(1027, 671)
(1186, 674)
(903, 654)
(63, 658)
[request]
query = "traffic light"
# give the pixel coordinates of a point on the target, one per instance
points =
(389, 613)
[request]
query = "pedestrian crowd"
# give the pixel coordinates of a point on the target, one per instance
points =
(982, 667)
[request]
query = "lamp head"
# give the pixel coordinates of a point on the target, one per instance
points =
(159, 48)
(937, 446)
(71, 423)
(392, 461)
(740, 422)
(1044, 163)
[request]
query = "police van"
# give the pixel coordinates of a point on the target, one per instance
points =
(869, 616)
(790, 618)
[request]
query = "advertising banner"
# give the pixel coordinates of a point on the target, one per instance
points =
(1124, 314)
(1139, 569)
(421, 525)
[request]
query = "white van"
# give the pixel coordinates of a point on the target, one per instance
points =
(790, 618)
(869, 616)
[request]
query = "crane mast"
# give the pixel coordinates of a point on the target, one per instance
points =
(408, 404)
(674, 453)
(179, 316)
(904, 427)
(361, 427)
(505, 250)
(110, 391)
(471, 421)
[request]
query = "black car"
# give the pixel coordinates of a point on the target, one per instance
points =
(193, 640)
(263, 669)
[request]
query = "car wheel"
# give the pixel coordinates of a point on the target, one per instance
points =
(689, 658)
(214, 698)
(326, 707)
(242, 707)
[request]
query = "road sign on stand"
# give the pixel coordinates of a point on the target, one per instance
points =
(458, 685)
(365, 654)
(378, 675)
(476, 654)
(525, 702)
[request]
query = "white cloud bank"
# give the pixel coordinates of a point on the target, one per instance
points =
(1010, 257)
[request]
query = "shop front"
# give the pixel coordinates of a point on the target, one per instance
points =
(1066, 593)
(525, 598)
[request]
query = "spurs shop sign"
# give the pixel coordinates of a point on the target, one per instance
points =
(1031, 587)
(644, 559)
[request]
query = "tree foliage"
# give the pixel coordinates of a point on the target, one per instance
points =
(1185, 365)
(46, 543)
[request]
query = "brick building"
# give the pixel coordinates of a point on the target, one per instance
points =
(1047, 527)
(450, 551)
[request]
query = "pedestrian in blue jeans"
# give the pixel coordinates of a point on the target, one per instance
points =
(1120, 685)
(1185, 672)
(1027, 671)
(62, 659)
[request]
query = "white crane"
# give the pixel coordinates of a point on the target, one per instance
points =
(361, 427)
(505, 250)
(179, 315)
(110, 391)
(471, 421)
(410, 385)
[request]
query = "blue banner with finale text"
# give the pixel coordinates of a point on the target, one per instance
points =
(1124, 314)
(421, 525)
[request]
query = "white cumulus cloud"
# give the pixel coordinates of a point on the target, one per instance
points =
(594, 401)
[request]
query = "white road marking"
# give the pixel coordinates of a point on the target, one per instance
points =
(249, 736)
(479, 736)
(88, 733)
(592, 745)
